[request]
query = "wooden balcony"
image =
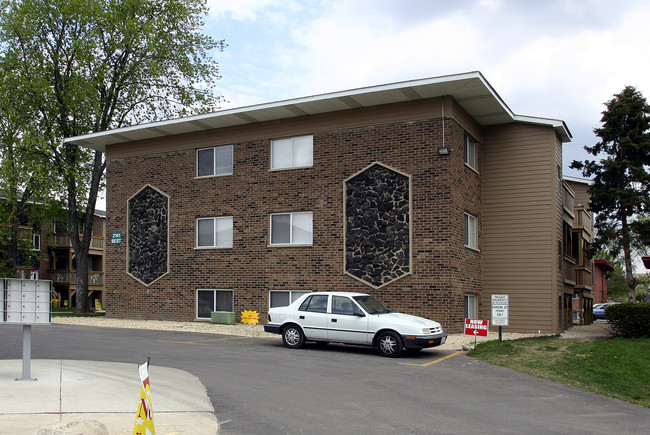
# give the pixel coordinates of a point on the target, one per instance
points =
(583, 221)
(69, 277)
(569, 265)
(584, 277)
(63, 241)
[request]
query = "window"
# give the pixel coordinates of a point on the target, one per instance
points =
(316, 304)
(214, 161)
(214, 232)
(208, 301)
(471, 231)
(470, 307)
(36, 242)
(470, 152)
(284, 298)
(294, 152)
(342, 305)
(291, 228)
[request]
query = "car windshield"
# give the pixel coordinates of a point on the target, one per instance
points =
(371, 305)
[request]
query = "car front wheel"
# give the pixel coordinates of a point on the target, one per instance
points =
(389, 344)
(293, 337)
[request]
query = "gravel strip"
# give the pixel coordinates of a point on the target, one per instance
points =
(454, 341)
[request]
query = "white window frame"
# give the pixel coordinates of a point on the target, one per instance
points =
(471, 307)
(215, 241)
(470, 151)
(36, 242)
(292, 144)
(292, 228)
(214, 300)
(215, 161)
(293, 295)
(471, 231)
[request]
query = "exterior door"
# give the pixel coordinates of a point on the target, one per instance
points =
(313, 317)
(344, 324)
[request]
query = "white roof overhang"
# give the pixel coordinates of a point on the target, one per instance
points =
(470, 90)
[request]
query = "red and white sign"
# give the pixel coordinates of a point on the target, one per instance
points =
(476, 327)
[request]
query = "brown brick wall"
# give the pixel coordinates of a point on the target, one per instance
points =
(443, 188)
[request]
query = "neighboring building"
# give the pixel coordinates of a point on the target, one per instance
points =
(430, 194)
(601, 267)
(58, 263)
(578, 237)
(63, 267)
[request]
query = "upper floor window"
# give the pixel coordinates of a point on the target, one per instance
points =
(471, 231)
(214, 161)
(292, 228)
(214, 232)
(470, 151)
(36, 242)
(293, 152)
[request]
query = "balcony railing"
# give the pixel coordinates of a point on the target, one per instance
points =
(584, 277)
(69, 277)
(583, 220)
(569, 270)
(63, 241)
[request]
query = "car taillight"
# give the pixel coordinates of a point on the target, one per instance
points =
(269, 317)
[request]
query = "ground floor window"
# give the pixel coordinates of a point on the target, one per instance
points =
(470, 307)
(283, 298)
(208, 301)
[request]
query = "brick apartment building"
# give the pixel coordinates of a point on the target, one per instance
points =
(431, 195)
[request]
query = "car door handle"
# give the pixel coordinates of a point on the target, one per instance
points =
(334, 320)
(302, 317)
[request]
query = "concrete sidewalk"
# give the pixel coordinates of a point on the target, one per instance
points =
(66, 391)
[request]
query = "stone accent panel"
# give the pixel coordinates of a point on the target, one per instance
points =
(148, 235)
(377, 225)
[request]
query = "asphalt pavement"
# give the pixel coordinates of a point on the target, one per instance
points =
(61, 391)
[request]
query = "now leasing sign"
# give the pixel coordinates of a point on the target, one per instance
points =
(476, 327)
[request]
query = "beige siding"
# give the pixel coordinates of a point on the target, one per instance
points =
(520, 224)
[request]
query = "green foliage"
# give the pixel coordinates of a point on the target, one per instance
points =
(620, 195)
(80, 66)
(630, 319)
(615, 367)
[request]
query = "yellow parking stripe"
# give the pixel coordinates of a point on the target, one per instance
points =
(202, 342)
(433, 362)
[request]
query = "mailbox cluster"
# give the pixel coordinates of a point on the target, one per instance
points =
(25, 301)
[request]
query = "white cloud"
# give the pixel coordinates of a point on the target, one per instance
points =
(555, 58)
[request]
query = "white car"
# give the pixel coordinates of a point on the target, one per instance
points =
(353, 318)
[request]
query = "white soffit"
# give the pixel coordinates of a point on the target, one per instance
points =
(470, 90)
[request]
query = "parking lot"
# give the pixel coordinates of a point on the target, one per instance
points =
(257, 386)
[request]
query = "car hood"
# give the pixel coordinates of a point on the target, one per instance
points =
(407, 320)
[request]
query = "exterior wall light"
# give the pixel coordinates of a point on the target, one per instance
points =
(444, 150)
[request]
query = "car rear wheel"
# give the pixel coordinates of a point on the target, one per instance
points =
(389, 344)
(293, 337)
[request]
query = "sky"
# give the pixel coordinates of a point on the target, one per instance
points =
(560, 59)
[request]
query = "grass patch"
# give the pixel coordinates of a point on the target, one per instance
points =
(615, 367)
(69, 312)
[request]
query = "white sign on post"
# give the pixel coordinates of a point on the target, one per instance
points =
(500, 310)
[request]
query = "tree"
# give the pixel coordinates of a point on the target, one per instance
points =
(93, 65)
(24, 178)
(620, 195)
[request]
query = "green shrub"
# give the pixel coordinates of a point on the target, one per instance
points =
(629, 319)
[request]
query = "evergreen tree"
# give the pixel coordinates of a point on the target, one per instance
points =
(620, 195)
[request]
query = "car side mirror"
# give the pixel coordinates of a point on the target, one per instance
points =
(359, 313)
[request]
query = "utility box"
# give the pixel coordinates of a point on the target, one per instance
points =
(223, 317)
